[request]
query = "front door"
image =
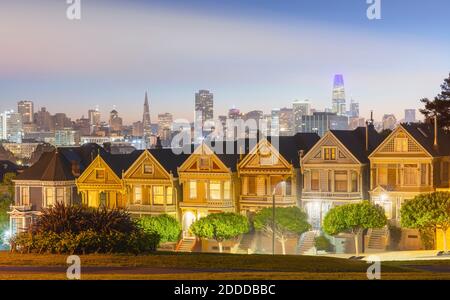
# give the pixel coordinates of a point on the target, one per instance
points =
(188, 219)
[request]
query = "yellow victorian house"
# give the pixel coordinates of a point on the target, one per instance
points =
(413, 159)
(151, 185)
(101, 183)
(272, 169)
(208, 185)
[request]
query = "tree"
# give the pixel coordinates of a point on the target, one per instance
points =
(428, 211)
(439, 107)
(289, 221)
(220, 227)
(8, 182)
(168, 228)
(354, 218)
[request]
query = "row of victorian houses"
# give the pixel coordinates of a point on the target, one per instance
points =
(244, 176)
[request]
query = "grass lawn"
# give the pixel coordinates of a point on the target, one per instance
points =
(207, 266)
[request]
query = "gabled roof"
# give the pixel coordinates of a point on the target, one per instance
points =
(168, 159)
(424, 135)
(355, 141)
(57, 165)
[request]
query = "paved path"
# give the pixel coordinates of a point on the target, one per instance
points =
(398, 255)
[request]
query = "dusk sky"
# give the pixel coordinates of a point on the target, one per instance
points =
(252, 54)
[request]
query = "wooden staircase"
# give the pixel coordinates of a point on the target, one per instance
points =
(377, 239)
(186, 245)
(247, 244)
(306, 242)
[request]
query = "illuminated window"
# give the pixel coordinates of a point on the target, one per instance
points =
(401, 145)
(251, 187)
(60, 195)
(25, 193)
(192, 189)
(315, 180)
(214, 189)
(137, 195)
(411, 173)
(158, 195)
(340, 181)
(329, 153)
(100, 174)
(49, 197)
(227, 190)
(204, 163)
(148, 169)
(169, 195)
(354, 182)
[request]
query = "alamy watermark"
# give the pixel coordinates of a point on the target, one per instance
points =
(374, 10)
(73, 11)
(74, 269)
(374, 270)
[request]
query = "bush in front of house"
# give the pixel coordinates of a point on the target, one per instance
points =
(322, 243)
(168, 228)
(80, 230)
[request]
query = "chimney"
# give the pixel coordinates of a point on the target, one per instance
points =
(435, 131)
(367, 136)
(158, 143)
(241, 153)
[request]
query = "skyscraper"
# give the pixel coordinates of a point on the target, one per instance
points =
(300, 108)
(286, 121)
(115, 122)
(338, 101)
(204, 107)
(410, 115)
(94, 119)
(146, 118)
(11, 126)
(165, 122)
(354, 109)
(321, 122)
(26, 109)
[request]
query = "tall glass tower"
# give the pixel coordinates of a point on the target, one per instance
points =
(339, 104)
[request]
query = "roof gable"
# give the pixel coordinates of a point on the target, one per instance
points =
(203, 159)
(146, 161)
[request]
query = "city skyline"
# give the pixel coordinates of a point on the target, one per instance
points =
(271, 63)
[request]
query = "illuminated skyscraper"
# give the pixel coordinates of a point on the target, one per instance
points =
(300, 109)
(25, 108)
(338, 101)
(204, 105)
(146, 118)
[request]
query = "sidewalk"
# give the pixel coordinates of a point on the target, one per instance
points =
(397, 255)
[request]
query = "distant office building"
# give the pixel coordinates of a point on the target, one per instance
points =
(275, 122)
(11, 126)
(321, 122)
(354, 109)
(138, 129)
(338, 99)
(356, 122)
(234, 114)
(286, 121)
(389, 122)
(204, 106)
(257, 116)
(300, 108)
(26, 110)
(410, 116)
(83, 126)
(67, 137)
(115, 122)
(61, 121)
(165, 122)
(146, 123)
(94, 119)
(44, 120)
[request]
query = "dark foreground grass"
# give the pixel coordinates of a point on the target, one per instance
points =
(204, 262)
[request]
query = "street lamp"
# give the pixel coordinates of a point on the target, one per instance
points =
(273, 214)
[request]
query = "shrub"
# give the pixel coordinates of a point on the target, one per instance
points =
(168, 228)
(322, 243)
(86, 242)
(81, 230)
